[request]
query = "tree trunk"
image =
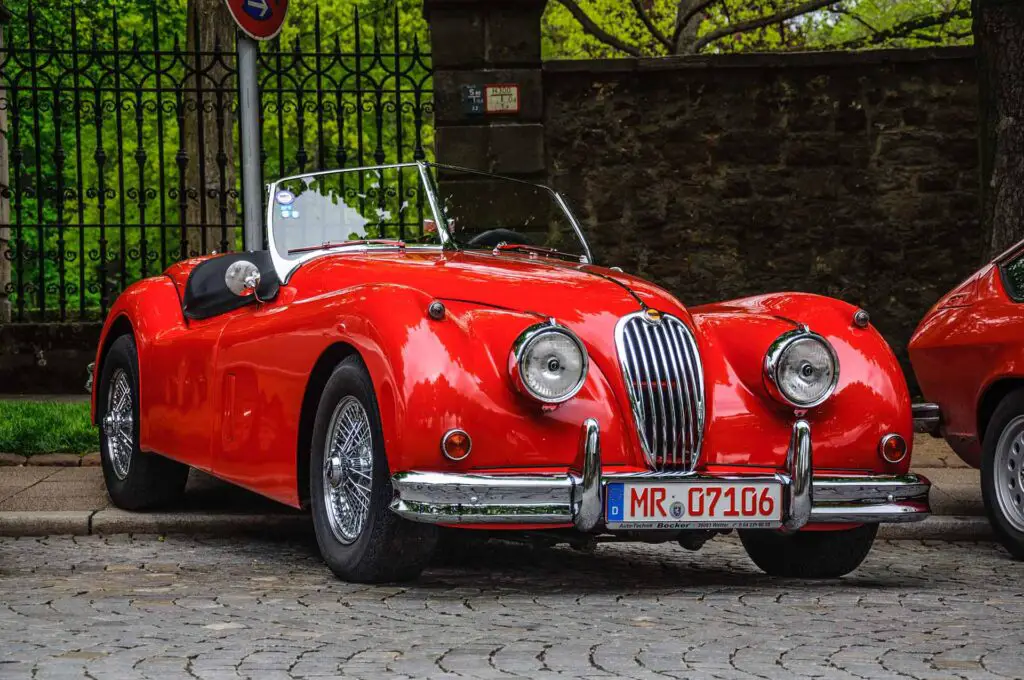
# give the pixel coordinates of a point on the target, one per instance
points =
(686, 35)
(999, 36)
(209, 127)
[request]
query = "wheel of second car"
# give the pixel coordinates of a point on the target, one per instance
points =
(1002, 472)
(809, 554)
(135, 480)
(350, 487)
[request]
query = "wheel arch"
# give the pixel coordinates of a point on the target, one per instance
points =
(991, 398)
(318, 377)
(120, 326)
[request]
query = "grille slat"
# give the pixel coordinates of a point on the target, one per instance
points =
(696, 380)
(679, 423)
(685, 386)
(661, 365)
(668, 416)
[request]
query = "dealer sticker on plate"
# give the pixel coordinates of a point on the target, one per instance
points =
(702, 505)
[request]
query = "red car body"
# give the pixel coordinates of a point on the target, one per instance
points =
(226, 395)
(967, 355)
(236, 394)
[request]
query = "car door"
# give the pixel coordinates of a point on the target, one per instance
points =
(264, 358)
(179, 390)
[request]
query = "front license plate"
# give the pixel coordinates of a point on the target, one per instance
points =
(701, 505)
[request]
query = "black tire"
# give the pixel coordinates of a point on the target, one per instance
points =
(388, 548)
(150, 481)
(809, 554)
(1009, 409)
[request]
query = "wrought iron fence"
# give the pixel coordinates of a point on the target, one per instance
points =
(122, 148)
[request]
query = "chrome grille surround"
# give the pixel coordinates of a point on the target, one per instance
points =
(662, 369)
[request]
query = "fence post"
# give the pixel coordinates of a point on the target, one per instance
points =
(5, 178)
(477, 45)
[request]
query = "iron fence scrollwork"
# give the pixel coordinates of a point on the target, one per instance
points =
(122, 148)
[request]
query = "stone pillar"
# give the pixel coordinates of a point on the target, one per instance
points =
(476, 44)
(5, 182)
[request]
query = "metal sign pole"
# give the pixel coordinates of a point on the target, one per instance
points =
(249, 101)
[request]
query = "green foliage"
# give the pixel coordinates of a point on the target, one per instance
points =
(94, 146)
(845, 24)
(30, 427)
(865, 21)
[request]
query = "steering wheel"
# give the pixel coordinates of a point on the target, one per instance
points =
(492, 237)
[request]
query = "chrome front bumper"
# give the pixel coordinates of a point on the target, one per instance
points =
(578, 498)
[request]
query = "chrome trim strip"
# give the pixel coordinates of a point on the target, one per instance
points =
(575, 224)
(927, 418)
(456, 498)
(578, 499)
(871, 489)
(895, 513)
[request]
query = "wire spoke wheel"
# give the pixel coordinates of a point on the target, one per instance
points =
(1008, 473)
(348, 470)
(119, 424)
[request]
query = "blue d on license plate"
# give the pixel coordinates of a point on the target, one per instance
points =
(686, 505)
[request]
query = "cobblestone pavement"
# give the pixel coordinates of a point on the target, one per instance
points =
(120, 607)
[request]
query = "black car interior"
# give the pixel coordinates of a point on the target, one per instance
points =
(207, 294)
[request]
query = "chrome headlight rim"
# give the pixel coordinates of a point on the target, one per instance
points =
(773, 360)
(521, 348)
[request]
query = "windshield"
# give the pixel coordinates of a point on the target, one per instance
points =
(352, 207)
(484, 212)
(418, 205)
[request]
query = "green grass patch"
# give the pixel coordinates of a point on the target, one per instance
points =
(31, 427)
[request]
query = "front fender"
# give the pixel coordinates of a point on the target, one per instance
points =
(431, 376)
(870, 400)
(145, 308)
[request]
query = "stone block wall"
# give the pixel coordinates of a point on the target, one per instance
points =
(46, 358)
(852, 175)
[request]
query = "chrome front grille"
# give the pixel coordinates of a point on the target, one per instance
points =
(663, 374)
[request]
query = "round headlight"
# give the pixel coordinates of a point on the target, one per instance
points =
(548, 363)
(802, 368)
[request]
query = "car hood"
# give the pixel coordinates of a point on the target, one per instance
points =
(543, 286)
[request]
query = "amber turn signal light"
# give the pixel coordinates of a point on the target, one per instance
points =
(893, 448)
(456, 445)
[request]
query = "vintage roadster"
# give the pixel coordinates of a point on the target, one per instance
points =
(423, 348)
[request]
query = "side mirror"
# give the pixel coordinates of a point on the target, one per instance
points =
(242, 278)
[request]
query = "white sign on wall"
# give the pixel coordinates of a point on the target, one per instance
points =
(501, 98)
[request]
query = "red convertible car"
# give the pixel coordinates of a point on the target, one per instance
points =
(968, 356)
(414, 352)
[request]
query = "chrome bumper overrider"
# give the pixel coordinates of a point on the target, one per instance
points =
(578, 498)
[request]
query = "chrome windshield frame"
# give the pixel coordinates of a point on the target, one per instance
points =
(557, 197)
(285, 267)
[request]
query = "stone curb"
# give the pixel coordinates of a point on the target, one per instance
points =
(107, 522)
(68, 522)
(113, 521)
(50, 459)
(939, 528)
